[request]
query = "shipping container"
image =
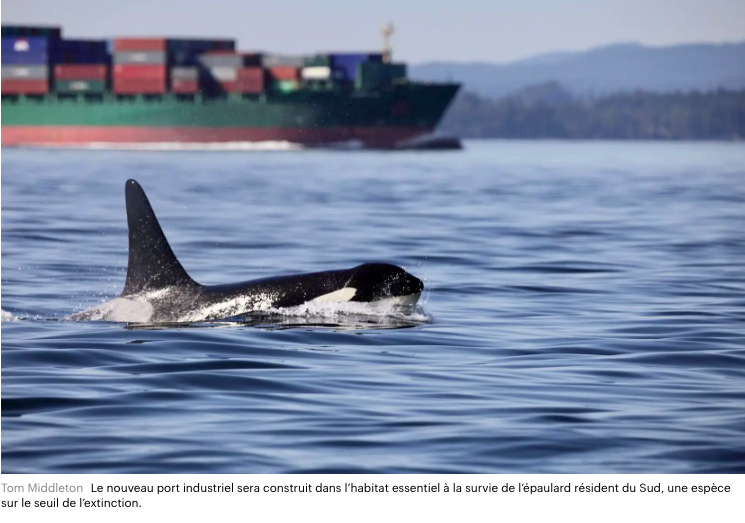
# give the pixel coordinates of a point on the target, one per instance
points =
(224, 59)
(80, 72)
(346, 63)
(84, 47)
(224, 74)
(378, 75)
(134, 72)
(80, 86)
(57, 57)
(185, 73)
(210, 60)
(26, 58)
(139, 57)
(285, 86)
(24, 44)
(279, 60)
(27, 30)
(78, 52)
(248, 80)
(319, 60)
(139, 85)
(139, 44)
(185, 86)
(187, 52)
(316, 73)
(252, 59)
(27, 72)
(25, 86)
(285, 73)
(199, 45)
(251, 79)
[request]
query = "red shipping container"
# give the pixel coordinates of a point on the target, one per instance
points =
(25, 86)
(139, 44)
(251, 80)
(80, 72)
(285, 73)
(230, 87)
(185, 86)
(139, 85)
(139, 71)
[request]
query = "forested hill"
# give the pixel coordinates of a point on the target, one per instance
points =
(548, 111)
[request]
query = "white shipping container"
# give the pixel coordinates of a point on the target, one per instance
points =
(140, 57)
(28, 72)
(316, 73)
(224, 74)
(79, 86)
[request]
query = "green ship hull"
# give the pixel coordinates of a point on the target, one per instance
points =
(377, 119)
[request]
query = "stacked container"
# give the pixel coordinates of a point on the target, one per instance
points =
(337, 67)
(80, 78)
(149, 65)
(284, 71)
(284, 78)
(282, 60)
(374, 76)
(140, 66)
(185, 52)
(346, 65)
(80, 66)
(232, 73)
(184, 80)
(25, 65)
(79, 52)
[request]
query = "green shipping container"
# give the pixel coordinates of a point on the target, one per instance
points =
(80, 86)
(285, 86)
(319, 60)
(371, 76)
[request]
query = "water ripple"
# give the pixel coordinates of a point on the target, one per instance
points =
(584, 312)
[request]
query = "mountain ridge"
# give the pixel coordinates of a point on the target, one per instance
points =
(604, 70)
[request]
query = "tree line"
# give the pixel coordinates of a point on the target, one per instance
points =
(546, 111)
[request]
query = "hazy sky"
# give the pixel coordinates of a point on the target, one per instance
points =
(463, 30)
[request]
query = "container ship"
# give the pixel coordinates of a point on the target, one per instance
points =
(65, 92)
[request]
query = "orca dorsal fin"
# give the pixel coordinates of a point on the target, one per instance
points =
(152, 264)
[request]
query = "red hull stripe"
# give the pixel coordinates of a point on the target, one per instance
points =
(76, 135)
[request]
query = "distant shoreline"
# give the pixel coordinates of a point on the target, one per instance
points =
(548, 112)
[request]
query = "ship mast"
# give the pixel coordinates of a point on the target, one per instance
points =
(387, 31)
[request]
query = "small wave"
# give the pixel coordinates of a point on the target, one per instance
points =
(6, 316)
(382, 315)
(385, 314)
(349, 145)
(334, 310)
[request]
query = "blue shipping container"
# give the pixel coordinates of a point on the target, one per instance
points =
(197, 46)
(183, 52)
(78, 52)
(86, 47)
(24, 44)
(57, 57)
(28, 58)
(346, 63)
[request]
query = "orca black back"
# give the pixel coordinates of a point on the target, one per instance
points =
(153, 267)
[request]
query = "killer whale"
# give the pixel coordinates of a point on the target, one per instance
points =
(159, 290)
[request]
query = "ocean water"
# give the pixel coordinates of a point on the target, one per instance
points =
(584, 311)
